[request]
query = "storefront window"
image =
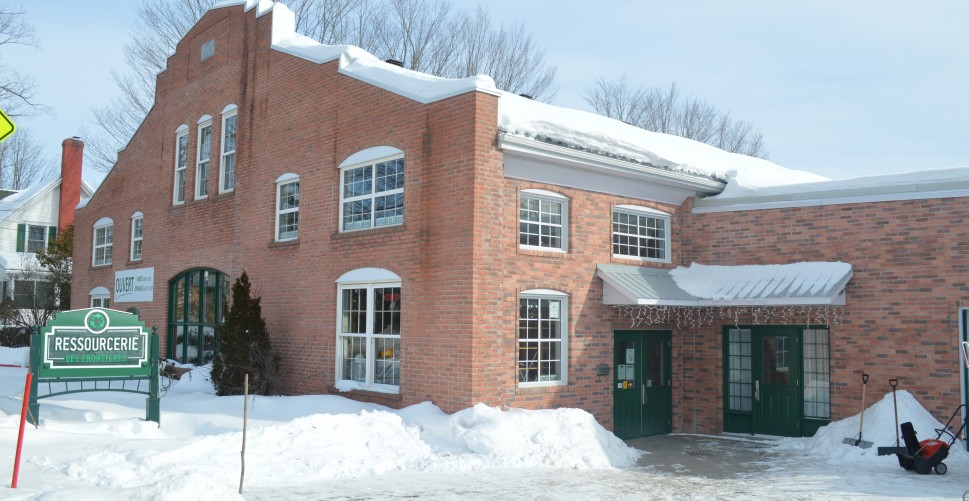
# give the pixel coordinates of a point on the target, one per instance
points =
(198, 302)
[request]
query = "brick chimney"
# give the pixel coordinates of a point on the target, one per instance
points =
(71, 154)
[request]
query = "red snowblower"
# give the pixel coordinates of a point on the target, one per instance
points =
(927, 455)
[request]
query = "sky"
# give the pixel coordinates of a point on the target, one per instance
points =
(841, 89)
(98, 446)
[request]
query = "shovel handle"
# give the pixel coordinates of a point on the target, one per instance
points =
(864, 378)
(893, 383)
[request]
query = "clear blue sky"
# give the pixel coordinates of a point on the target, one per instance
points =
(843, 89)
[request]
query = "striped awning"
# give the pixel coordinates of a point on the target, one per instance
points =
(813, 283)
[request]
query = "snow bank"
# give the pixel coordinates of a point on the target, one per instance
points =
(17, 357)
(880, 429)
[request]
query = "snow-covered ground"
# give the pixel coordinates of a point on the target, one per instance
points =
(98, 446)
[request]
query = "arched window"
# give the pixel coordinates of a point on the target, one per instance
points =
(100, 297)
(372, 189)
(198, 300)
(543, 220)
(287, 207)
(103, 241)
(368, 331)
(227, 169)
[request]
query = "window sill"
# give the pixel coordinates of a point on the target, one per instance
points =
(398, 228)
(370, 392)
(285, 244)
(617, 258)
(102, 265)
(532, 388)
(526, 250)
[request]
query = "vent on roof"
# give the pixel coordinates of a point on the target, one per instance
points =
(526, 96)
(395, 62)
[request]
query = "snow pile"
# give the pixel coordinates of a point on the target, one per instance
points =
(879, 428)
(99, 441)
(16, 357)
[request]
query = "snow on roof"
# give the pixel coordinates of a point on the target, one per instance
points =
(14, 261)
(13, 203)
(816, 283)
(926, 180)
(609, 137)
(527, 118)
(766, 281)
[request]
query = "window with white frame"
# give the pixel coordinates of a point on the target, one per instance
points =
(204, 155)
(287, 207)
(137, 229)
(542, 337)
(100, 297)
(103, 240)
(543, 220)
(227, 166)
(37, 238)
(368, 330)
(372, 194)
(641, 233)
(181, 163)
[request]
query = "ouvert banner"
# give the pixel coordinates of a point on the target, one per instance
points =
(134, 286)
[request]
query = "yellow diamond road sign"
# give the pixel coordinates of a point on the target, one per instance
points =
(6, 126)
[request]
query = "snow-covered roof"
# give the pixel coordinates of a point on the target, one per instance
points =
(810, 283)
(13, 203)
(523, 117)
(937, 183)
(14, 261)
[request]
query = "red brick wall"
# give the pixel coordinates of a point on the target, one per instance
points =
(909, 259)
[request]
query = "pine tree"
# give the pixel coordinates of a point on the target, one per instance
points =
(244, 347)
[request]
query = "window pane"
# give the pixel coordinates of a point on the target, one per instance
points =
(355, 358)
(228, 171)
(639, 235)
(36, 238)
(205, 142)
(540, 332)
(357, 182)
(354, 311)
(182, 151)
(356, 215)
(816, 374)
(229, 134)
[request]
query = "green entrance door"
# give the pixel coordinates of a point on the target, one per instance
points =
(776, 382)
(642, 384)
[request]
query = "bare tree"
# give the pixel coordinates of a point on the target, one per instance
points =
(22, 162)
(667, 111)
(17, 91)
(33, 299)
(426, 35)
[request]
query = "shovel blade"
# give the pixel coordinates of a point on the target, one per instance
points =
(858, 442)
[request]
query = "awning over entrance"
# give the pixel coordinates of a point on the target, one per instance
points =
(816, 283)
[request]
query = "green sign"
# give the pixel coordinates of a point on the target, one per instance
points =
(93, 343)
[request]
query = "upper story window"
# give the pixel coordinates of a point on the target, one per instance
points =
(369, 328)
(287, 207)
(103, 240)
(204, 155)
(227, 169)
(372, 189)
(208, 49)
(543, 220)
(137, 229)
(181, 162)
(34, 237)
(542, 337)
(641, 233)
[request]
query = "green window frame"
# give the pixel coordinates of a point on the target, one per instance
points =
(198, 300)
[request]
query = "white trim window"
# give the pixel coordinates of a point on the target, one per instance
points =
(100, 298)
(227, 167)
(543, 220)
(204, 156)
(287, 207)
(137, 232)
(181, 163)
(368, 335)
(37, 238)
(372, 194)
(103, 241)
(543, 322)
(640, 233)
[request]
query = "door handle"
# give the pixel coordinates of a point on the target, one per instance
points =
(642, 391)
(757, 390)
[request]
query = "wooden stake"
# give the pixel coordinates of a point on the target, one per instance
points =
(245, 419)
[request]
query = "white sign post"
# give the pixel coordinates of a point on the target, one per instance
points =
(134, 286)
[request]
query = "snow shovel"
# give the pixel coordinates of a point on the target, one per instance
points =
(861, 426)
(894, 383)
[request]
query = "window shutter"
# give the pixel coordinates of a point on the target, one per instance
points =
(21, 237)
(51, 236)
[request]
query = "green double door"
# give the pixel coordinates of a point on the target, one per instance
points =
(763, 381)
(643, 403)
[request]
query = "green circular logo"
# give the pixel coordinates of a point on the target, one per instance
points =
(96, 321)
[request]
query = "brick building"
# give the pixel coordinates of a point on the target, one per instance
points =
(416, 238)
